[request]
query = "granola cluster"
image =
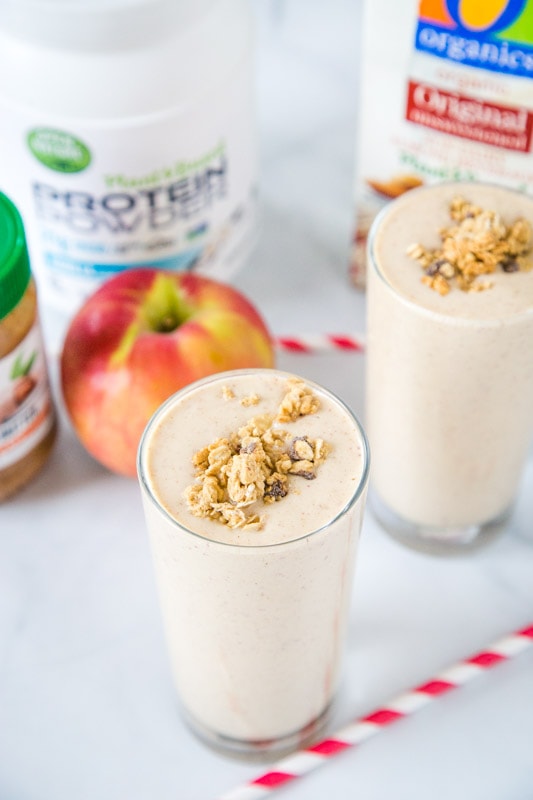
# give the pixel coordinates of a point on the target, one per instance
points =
(255, 464)
(477, 244)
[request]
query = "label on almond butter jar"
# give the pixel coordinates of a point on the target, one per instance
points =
(446, 94)
(26, 414)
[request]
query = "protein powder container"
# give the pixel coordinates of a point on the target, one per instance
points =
(27, 416)
(127, 137)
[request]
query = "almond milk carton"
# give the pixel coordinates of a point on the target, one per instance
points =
(446, 94)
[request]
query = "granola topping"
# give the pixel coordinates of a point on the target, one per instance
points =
(256, 465)
(478, 243)
(250, 400)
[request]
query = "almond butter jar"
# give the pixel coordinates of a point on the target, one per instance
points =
(27, 415)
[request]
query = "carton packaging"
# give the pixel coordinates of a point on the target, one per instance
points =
(446, 94)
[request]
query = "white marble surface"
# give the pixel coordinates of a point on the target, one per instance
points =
(87, 709)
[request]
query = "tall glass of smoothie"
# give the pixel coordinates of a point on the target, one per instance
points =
(450, 362)
(253, 486)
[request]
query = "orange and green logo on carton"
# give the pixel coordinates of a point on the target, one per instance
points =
(495, 35)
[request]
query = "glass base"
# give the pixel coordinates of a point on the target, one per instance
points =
(437, 540)
(259, 749)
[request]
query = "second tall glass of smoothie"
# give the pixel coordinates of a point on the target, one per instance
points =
(449, 379)
(255, 619)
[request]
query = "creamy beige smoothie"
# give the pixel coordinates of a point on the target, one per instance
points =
(255, 615)
(449, 375)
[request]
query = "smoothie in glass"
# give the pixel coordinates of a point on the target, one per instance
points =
(450, 365)
(255, 611)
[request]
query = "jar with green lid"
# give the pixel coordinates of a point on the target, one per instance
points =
(27, 415)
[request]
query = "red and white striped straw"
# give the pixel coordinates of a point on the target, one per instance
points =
(304, 761)
(320, 343)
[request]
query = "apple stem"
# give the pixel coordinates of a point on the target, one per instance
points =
(168, 324)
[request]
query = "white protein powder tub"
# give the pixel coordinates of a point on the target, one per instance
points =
(127, 137)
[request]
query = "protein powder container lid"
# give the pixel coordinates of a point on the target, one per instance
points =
(100, 24)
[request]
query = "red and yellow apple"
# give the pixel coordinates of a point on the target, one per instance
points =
(139, 338)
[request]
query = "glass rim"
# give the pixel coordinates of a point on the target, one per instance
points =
(227, 375)
(399, 294)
